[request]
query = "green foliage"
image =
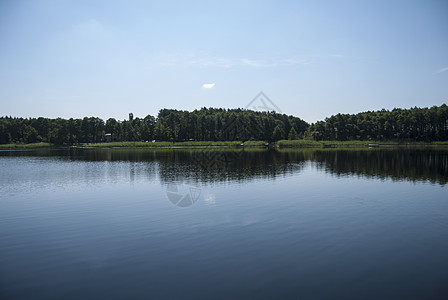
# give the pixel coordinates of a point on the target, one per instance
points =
(254, 144)
(162, 144)
(415, 124)
(239, 125)
(25, 146)
(206, 124)
(298, 143)
(349, 144)
(278, 133)
(292, 134)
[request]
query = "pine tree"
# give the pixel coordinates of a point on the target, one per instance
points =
(292, 134)
(278, 133)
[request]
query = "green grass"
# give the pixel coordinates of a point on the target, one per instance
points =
(231, 144)
(345, 144)
(162, 144)
(255, 143)
(298, 144)
(25, 146)
(190, 144)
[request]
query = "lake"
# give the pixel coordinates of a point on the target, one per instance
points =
(224, 224)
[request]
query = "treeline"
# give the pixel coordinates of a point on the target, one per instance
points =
(206, 124)
(211, 124)
(415, 124)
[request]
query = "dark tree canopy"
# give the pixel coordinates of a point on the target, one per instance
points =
(415, 124)
(205, 124)
(217, 124)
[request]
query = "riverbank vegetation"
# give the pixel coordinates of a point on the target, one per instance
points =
(161, 144)
(404, 125)
(25, 146)
(350, 144)
(206, 124)
(212, 127)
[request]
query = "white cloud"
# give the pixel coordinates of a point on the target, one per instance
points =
(442, 70)
(205, 61)
(211, 62)
(208, 85)
(253, 63)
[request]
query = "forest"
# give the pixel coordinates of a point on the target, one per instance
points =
(415, 124)
(216, 124)
(206, 124)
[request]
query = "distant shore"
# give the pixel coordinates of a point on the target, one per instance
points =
(348, 144)
(227, 144)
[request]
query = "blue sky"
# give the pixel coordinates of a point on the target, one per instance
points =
(311, 58)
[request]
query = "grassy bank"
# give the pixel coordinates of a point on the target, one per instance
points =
(322, 144)
(26, 146)
(348, 144)
(232, 144)
(192, 144)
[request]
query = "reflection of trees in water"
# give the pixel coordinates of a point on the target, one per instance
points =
(213, 165)
(409, 164)
(228, 165)
(398, 164)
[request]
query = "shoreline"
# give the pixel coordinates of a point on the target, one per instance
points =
(290, 144)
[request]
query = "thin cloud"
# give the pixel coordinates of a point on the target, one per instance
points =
(252, 63)
(442, 70)
(222, 62)
(210, 62)
(271, 63)
(208, 85)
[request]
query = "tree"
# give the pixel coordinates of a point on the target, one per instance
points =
(217, 124)
(292, 134)
(278, 133)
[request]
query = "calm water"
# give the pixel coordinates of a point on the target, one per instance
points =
(203, 224)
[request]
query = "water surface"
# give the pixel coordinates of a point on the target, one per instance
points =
(208, 224)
